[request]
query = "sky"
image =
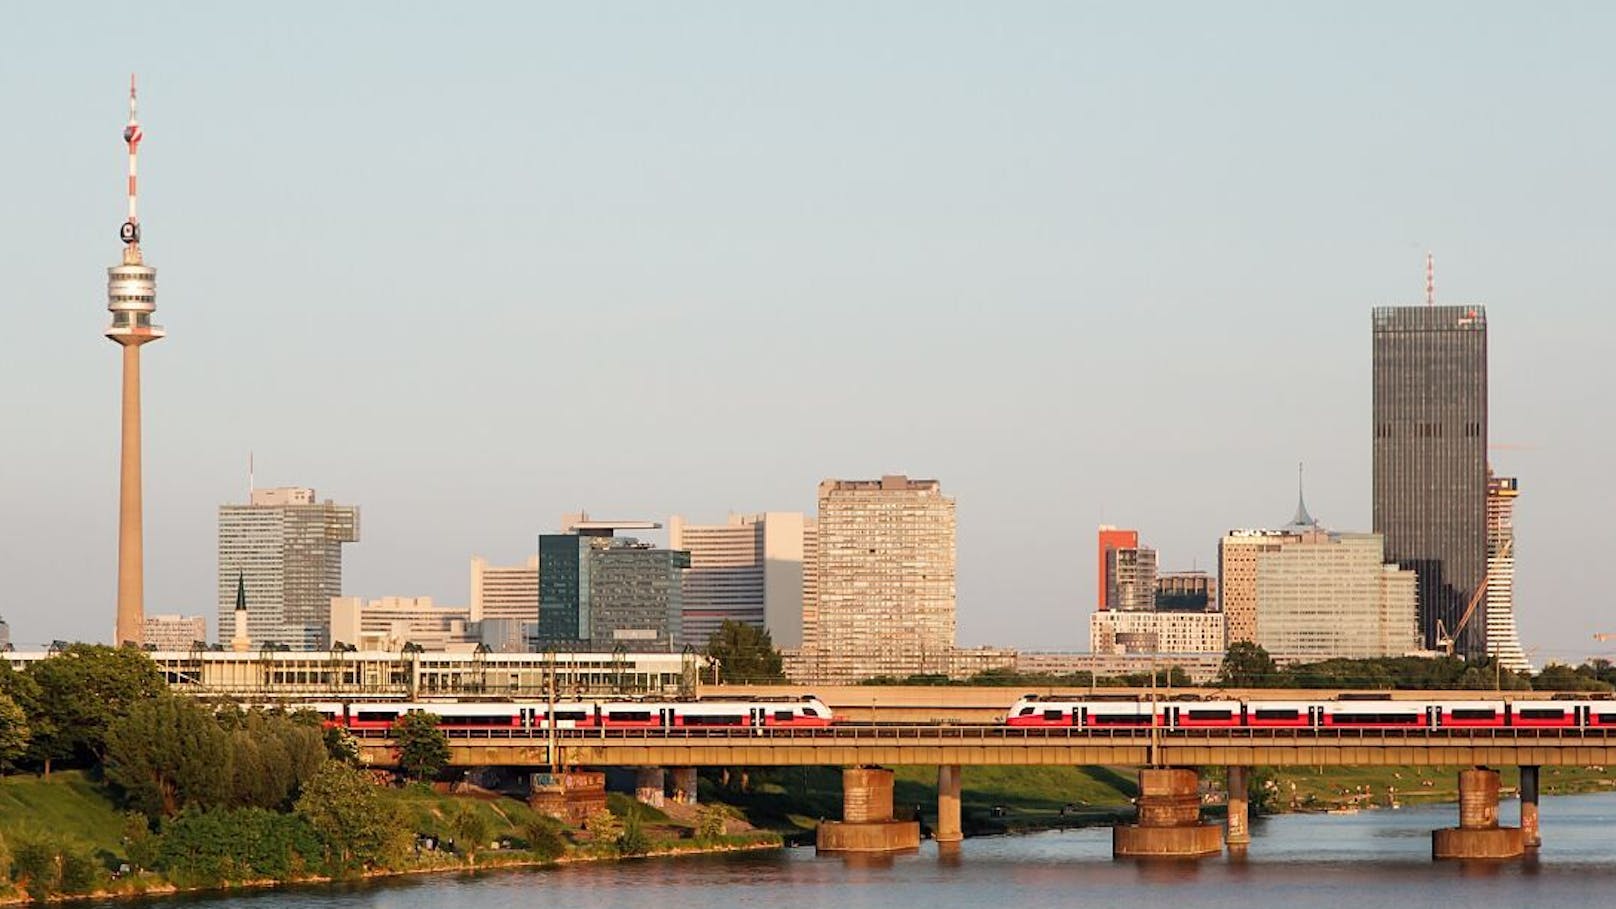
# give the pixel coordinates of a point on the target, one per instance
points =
(474, 266)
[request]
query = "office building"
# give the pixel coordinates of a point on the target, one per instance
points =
(1186, 591)
(754, 569)
(286, 547)
(601, 591)
(175, 632)
(886, 579)
(1110, 539)
(1238, 552)
(1430, 457)
(1322, 595)
(505, 592)
(1127, 571)
(1114, 631)
(389, 623)
(1503, 640)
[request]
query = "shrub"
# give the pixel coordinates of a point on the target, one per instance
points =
(48, 866)
(544, 838)
(710, 823)
(471, 831)
(633, 840)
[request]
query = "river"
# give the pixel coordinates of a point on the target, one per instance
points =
(1371, 860)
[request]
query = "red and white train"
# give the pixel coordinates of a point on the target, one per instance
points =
(805, 712)
(1343, 713)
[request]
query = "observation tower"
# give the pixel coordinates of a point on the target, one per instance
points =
(132, 298)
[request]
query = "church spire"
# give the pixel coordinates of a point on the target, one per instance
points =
(1301, 519)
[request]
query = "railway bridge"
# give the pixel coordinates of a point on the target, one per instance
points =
(1169, 821)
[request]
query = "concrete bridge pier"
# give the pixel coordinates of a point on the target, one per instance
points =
(867, 824)
(1530, 837)
(684, 785)
(1238, 835)
(1169, 819)
(948, 805)
(1478, 835)
(648, 786)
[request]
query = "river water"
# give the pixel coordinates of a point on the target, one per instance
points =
(1371, 860)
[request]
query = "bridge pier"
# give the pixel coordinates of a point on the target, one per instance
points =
(1478, 835)
(684, 785)
(1238, 835)
(1530, 837)
(1169, 819)
(948, 805)
(649, 785)
(867, 824)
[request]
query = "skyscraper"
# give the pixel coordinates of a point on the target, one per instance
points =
(755, 569)
(1503, 639)
(1430, 457)
(287, 550)
(601, 591)
(505, 592)
(132, 298)
(886, 578)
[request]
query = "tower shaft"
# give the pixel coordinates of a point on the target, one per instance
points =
(131, 544)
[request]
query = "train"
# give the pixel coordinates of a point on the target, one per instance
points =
(1346, 712)
(807, 711)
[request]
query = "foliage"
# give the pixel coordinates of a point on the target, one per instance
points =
(710, 822)
(1560, 677)
(166, 753)
(356, 828)
(82, 691)
(5, 862)
(471, 831)
(340, 745)
(200, 848)
(423, 749)
(272, 756)
(603, 826)
(544, 838)
(13, 732)
(633, 840)
(745, 654)
(143, 847)
(49, 866)
(1261, 792)
(1247, 665)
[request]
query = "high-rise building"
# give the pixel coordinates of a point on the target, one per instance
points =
(1430, 457)
(1503, 639)
(1238, 552)
(175, 632)
(505, 592)
(1324, 595)
(753, 569)
(1130, 579)
(132, 298)
(391, 622)
(601, 591)
(287, 550)
(1111, 539)
(1187, 591)
(1131, 631)
(886, 578)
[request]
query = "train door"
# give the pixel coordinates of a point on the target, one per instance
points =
(1315, 716)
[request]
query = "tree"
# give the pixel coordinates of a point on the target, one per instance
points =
(340, 745)
(142, 845)
(166, 753)
(272, 756)
(544, 837)
(357, 829)
(633, 840)
(82, 690)
(1247, 665)
(471, 830)
(1560, 677)
(423, 749)
(603, 827)
(745, 654)
(710, 823)
(13, 732)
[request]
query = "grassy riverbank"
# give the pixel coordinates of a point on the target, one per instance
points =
(77, 816)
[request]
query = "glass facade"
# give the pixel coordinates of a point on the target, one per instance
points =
(563, 589)
(1430, 457)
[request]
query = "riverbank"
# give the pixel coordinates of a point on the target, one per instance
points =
(77, 817)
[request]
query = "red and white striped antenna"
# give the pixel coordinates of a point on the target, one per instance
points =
(1430, 279)
(132, 135)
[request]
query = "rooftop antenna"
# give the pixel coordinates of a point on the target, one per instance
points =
(250, 484)
(1430, 279)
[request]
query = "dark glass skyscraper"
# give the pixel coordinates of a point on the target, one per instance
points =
(1430, 432)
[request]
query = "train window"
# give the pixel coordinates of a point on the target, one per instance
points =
(1054, 714)
(1606, 717)
(492, 720)
(1384, 719)
(1025, 711)
(1272, 714)
(1528, 713)
(1209, 714)
(571, 715)
(1474, 714)
(733, 719)
(1113, 719)
(784, 715)
(809, 711)
(629, 716)
(375, 716)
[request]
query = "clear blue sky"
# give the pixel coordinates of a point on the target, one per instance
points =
(471, 268)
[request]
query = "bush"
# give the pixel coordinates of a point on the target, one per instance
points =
(144, 847)
(544, 838)
(201, 848)
(710, 823)
(48, 866)
(471, 831)
(633, 840)
(603, 827)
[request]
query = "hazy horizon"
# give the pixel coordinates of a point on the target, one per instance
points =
(473, 269)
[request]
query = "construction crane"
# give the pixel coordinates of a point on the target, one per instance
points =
(1604, 635)
(1444, 640)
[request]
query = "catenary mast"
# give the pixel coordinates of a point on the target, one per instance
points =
(132, 298)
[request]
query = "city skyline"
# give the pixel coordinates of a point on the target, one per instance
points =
(1015, 300)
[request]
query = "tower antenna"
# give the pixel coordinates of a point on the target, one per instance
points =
(250, 485)
(1430, 279)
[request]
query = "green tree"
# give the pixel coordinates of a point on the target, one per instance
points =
(144, 848)
(1248, 665)
(166, 753)
(710, 823)
(603, 827)
(49, 866)
(745, 654)
(1560, 677)
(544, 837)
(355, 826)
(207, 848)
(82, 690)
(13, 732)
(471, 830)
(272, 756)
(423, 749)
(340, 745)
(633, 839)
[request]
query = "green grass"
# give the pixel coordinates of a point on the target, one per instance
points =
(1339, 786)
(68, 804)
